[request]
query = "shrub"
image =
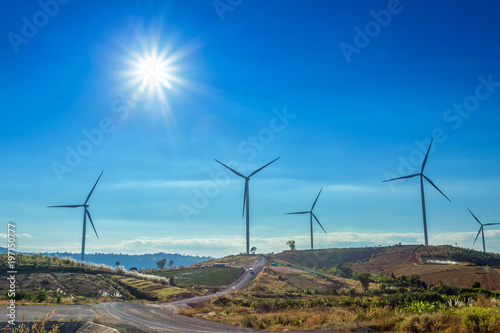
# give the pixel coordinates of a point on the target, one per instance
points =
(41, 296)
(23, 294)
(78, 299)
(482, 320)
(420, 307)
(419, 324)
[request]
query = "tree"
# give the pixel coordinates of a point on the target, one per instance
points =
(117, 263)
(253, 249)
(161, 263)
(476, 284)
(133, 269)
(170, 263)
(343, 271)
(291, 243)
(364, 278)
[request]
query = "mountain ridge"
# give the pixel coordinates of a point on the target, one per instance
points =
(140, 261)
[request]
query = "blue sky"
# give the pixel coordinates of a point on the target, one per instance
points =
(348, 93)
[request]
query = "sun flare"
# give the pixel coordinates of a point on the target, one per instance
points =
(153, 71)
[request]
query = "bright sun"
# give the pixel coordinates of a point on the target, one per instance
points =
(153, 72)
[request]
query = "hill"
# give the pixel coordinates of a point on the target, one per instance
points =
(433, 264)
(140, 261)
(67, 281)
(238, 259)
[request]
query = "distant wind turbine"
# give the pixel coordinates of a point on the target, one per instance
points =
(246, 197)
(481, 230)
(85, 214)
(421, 174)
(311, 215)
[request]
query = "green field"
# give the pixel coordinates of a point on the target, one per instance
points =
(202, 276)
(158, 290)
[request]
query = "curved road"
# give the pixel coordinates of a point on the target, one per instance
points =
(134, 317)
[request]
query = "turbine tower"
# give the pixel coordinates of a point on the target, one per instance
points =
(481, 230)
(85, 214)
(311, 215)
(246, 198)
(422, 176)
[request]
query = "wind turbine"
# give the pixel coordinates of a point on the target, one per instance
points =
(422, 176)
(481, 230)
(85, 214)
(311, 215)
(246, 197)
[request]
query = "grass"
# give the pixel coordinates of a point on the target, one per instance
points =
(239, 259)
(481, 315)
(202, 276)
(280, 299)
(158, 291)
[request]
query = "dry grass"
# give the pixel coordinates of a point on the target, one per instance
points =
(483, 316)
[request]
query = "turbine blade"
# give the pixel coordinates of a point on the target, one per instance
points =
(253, 173)
(236, 172)
(93, 188)
(404, 177)
(430, 181)
(491, 223)
(474, 216)
(318, 222)
(91, 222)
(66, 206)
(477, 235)
(245, 195)
(314, 204)
(297, 213)
(426, 155)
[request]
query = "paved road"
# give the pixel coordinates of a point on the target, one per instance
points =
(134, 317)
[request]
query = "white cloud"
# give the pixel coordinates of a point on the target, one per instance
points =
(224, 245)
